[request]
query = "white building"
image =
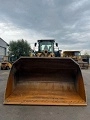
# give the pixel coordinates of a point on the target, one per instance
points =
(3, 48)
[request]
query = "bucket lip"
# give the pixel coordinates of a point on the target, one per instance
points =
(57, 58)
(47, 104)
(64, 58)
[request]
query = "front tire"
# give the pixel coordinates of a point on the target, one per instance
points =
(7, 68)
(1, 68)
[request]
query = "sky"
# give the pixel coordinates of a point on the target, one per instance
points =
(66, 21)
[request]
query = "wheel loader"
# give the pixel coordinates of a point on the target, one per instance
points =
(76, 55)
(5, 64)
(45, 79)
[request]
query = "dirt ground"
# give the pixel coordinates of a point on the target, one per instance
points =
(17, 112)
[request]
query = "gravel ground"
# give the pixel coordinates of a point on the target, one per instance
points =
(16, 112)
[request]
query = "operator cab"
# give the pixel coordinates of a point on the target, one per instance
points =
(46, 45)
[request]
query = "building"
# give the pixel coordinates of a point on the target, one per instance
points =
(3, 48)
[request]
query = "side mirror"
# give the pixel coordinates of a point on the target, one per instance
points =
(56, 44)
(35, 44)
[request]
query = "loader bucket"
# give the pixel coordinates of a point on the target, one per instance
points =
(45, 81)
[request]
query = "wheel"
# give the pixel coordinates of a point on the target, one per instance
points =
(7, 68)
(1, 68)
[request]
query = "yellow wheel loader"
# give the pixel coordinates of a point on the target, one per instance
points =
(5, 64)
(76, 55)
(45, 80)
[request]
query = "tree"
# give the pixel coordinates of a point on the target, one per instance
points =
(19, 48)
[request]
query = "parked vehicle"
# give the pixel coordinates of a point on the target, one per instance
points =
(76, 55)
(5, 64)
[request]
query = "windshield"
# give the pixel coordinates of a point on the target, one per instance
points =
(46, 45)
(77, 53)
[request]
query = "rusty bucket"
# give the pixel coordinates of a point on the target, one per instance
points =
(45, 81)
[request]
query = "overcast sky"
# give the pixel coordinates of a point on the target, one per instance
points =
(66, 21)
